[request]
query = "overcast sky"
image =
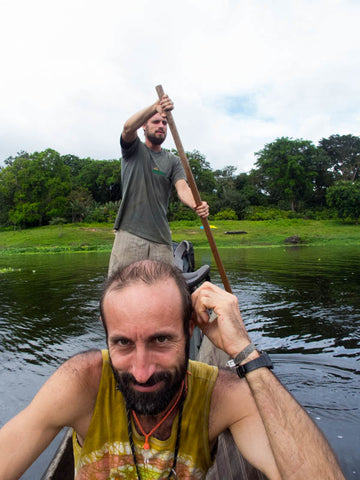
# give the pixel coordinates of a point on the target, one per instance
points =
(240, 72)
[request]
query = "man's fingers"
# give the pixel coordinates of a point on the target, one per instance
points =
(166, 103)
(202, 210)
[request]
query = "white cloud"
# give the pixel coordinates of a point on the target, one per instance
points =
(74, 71)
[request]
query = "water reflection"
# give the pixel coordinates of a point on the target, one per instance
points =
(52, 300)
(301, 304)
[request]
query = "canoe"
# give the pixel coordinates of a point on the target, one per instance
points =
(61, 466)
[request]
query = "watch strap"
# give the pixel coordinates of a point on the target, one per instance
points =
(244, 353)
(262, 361)
(241, 356)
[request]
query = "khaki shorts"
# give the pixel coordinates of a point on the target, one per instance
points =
(129, 248)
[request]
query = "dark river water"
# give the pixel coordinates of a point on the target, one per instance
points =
(300, 304)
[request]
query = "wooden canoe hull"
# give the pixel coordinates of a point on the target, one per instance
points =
(62, 464)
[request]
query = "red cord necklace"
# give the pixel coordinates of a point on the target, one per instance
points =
(147, 435)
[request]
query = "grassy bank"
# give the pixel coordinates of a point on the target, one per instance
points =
(99, 237)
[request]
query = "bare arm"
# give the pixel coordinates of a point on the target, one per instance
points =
(137, 120)
(66, 399)
(186, 197)
(234, 407)
(299, 448)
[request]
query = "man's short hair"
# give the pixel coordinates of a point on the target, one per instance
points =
(148, 272)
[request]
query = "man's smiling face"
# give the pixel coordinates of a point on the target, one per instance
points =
(147, 343)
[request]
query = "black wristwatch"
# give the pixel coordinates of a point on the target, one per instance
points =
(262, 361)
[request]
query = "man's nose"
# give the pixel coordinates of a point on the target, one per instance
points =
(142, 367)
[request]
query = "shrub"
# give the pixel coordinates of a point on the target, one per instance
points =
(57, 221)
(96, 214)
(102, 212)
(321, 214)
(344, 197)
(183, 213)
(227, 214)
(269, 213)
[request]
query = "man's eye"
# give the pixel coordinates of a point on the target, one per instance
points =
(161, 339)
(123, 342)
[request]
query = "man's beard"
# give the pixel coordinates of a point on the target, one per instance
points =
(151, 403)
(154, 139)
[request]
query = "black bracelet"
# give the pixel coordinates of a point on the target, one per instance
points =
(262, 361)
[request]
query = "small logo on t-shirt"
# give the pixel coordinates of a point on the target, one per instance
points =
(158, 172)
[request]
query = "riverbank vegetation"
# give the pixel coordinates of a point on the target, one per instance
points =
(290, 179)
(81, 237)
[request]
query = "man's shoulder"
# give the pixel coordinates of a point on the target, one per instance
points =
(91, 357)
(68, 396)
(227, 385)
(129, 148)
(86, 366)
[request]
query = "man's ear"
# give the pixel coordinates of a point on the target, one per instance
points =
(191, 326)
(103, 323)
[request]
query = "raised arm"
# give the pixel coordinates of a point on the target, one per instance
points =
(137, 120)
(66, 399)
(299, 448)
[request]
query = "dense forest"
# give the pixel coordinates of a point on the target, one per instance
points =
(290, 178)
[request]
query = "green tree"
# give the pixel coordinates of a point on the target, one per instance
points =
(344, 152)
(235, 200)
(102, 178)
(249, 185)
(35, 187)
(74, 163)
(8, 186)
(201, 170)
(81, 202)
(344, 197)
(284, 167)
(324, 177)
(225, 179)
(108, 182)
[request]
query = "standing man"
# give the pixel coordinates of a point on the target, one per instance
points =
(148, 173)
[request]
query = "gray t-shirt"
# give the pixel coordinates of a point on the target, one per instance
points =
(147, 178)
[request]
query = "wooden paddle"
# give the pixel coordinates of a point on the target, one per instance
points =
(195, 192)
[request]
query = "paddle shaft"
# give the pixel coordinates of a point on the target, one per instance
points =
(195, 192)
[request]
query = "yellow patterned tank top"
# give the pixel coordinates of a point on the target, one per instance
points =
(106, 453)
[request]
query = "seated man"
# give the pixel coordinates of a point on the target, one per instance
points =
(142, 409)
